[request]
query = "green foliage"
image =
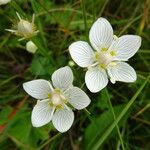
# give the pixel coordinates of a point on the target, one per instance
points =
(100, 124)
(41, 66)
(61, 22)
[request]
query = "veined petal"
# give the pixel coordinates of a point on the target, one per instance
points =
(101, 34)
(63, 119)
(38, 89)
(62, 78)
(125, 46)
(77, 98)
(122, 72)
(82, 53)
(3, 2)
(42, 113)
(96, 79)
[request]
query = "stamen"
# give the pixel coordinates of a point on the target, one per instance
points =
(58, 90)
(102, 66)
(50, 104)
(49, 95)
(104, 49)
(113, 53)
(59, 107)
(97, 55)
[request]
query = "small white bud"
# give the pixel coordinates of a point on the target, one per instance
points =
(31, 47)
(71, 63)
(3, 2)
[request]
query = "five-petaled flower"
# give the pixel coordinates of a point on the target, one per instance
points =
(107, 61)
(25, 29)
(55, 102)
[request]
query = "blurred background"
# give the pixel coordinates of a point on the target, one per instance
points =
(61, 22)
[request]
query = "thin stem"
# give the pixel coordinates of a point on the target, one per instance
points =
(48, 141)
(84, 17)
(112, 110)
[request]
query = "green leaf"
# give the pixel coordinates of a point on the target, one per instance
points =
(41, 66)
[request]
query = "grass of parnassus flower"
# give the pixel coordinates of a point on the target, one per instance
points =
(118, 117)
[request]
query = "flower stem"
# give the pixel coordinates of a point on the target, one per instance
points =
(114, 116)
(48, 141)
(84, 17)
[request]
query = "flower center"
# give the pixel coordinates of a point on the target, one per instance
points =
(57, 99)
(104, 57)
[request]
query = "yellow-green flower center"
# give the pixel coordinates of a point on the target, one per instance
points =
(104, 57)
(57, 99)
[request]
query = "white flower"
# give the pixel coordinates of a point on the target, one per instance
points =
(53, 100)
(25, 29)
(3, 2)
(107, 61)
(31, 47)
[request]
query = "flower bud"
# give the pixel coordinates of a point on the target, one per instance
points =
(31, 47)
(71, 63)
(25, 29)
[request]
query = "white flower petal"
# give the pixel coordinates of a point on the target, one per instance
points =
(3, 2)
(77, 98)
(96, 79)
(62, 78)
(42, 113)
(125, 46)
(101, 34)
(122, 72)
(63, 119)
(38, 89)
(82, 53)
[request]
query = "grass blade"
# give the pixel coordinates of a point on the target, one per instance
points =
(114, 116)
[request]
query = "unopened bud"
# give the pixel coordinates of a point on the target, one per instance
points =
(25, 29)
(31, 47)
(71, 63)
